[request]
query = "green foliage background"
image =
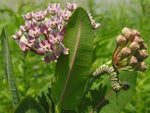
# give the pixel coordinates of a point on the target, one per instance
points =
(32, 73)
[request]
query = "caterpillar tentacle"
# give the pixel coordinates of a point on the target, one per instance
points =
(113, 74)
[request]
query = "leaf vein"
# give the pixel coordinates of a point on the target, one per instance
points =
(72, 63)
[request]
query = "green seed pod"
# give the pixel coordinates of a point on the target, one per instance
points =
(121, 40)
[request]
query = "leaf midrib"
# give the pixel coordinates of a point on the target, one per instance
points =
(72, 63)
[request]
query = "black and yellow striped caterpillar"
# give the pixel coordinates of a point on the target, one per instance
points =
(113, 73)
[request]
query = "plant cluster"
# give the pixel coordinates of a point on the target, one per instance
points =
(130, 51)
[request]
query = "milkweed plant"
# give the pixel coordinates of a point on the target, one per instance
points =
(65, 36)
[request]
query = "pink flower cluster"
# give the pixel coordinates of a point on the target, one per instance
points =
(44, 31)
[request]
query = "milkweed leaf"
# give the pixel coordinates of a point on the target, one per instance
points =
(29, 105)
(72, 70)
(101, 98)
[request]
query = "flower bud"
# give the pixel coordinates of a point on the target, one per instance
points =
(128, 33)
(71, 7)
(142, 66)
(121, 40)
(134, 46)
(143, 46)
(19, 34)
(136, 33)
(138, 39)
(142, 54)
(132, 61)
(124, 30)
(125, 52)
(14, 37)
(28, 16)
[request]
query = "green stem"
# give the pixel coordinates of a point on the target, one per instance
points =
(57, 109)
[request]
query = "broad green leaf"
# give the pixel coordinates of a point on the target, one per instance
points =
(44, 98)
(101, 99)
(9, 69)
(72, 70)
(29, 105)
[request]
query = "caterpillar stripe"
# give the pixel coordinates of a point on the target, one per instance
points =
(115, 83)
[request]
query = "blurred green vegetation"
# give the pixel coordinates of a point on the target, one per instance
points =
(32, 73)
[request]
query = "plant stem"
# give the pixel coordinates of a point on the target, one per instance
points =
(57, 109)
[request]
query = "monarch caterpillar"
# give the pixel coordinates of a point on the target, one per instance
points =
(113, 74)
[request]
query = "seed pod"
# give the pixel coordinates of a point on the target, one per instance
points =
(134, 46)
(121, 40)
(128, 33)
(136, 33)
(125, 52)
(132, 61)
(142, 66)
(138, 39)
